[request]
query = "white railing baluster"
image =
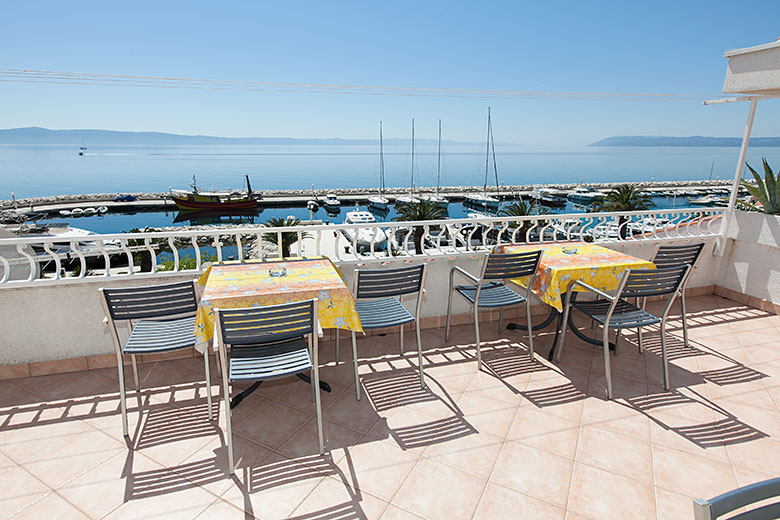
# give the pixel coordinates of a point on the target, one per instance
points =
(20, 248)
(175, 253)
(106, 259)
(56, 258)
(82, 260)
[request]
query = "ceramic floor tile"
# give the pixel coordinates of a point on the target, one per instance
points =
(500, 502)
(600, 494)
(377, 467)
(51, 507)
(19, 490)
(545, 476)
(616, 453)
(457, 493)
(673, 470)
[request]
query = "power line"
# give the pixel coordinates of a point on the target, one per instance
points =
(134, 81)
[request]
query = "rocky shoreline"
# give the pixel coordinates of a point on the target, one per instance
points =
(94, 198)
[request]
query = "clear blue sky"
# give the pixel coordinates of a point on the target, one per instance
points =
(662, 47)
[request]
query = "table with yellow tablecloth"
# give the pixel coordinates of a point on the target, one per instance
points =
(594, 265)
(239, 285)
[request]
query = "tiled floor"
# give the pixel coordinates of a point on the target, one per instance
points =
(521, 439)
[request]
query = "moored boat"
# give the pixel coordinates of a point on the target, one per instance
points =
(549, 196)
(379, 202)
(364, 237)
(196, 200)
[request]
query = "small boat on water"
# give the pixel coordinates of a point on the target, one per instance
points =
(88, 212)
(379, 202)
(332, 203)
(77, 212)
(708, 200)
(64, 212)
(196, 200)
(82, 149)
(364, 237)
(549, 197)
(586, 196)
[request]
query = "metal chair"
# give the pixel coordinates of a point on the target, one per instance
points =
(498, 267)
(381, 290)
(741, 497)
(266, 343)
(669, 256)
(160, 318)
(617, 313)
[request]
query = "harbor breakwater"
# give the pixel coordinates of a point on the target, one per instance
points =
(161, 200)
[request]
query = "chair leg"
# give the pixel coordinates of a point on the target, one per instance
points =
(337, 346)
(419, 354)
(664, 356)
(607, 371)
(530, 328)
(401, 340)
(449, 310)
(617, 341)
(355, 363)
(135, 373)
(315, 384)
(500, 318)
(565, 324)
(476, 335)
(208, 382)
(228, 420)
(684, 320)
(639, 329)
(122, 394)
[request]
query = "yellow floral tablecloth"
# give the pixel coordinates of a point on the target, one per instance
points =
(597, 266)
(231, 286)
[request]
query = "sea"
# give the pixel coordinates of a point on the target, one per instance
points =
(44, 170)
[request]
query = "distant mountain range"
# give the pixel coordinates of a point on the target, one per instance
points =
(38, 135)
(695, 140)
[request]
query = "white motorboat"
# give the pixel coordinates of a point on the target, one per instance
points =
(650, 225)
(586, 196)
(481, 201)
(332, 202)
(312, 205)
(364, 237)
(64, 212)
(102, 210)
(549, 196)
(76, 212)
(380, 202)
(88, 212)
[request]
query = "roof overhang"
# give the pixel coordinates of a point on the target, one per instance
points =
(754, 70)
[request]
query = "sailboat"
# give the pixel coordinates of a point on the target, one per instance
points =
(482, 200)
(82, 149)
(379, 202)
(439, 200)
(409, 199)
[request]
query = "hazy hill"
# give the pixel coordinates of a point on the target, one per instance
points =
(696, 140)
(38, 135)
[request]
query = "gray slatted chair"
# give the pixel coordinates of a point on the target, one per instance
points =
(490, 290)
(670, 256)
(615, 312)
(378, 293)
(731, 501)
(160, 318)
(266, 343)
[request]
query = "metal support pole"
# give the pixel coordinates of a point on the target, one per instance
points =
(737, 176)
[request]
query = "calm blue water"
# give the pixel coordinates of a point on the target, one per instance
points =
(56, 170)
(30, 171)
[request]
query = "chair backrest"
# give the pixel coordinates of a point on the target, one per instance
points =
(511, 265)
(266, 324)
(741, 497)
(380, 283)
(151, 301)
(654, 282)
(668, 256)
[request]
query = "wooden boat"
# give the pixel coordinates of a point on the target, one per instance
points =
(196, 200)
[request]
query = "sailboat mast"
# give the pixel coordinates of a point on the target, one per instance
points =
(381, 162)
(411, 189)
(438, 163)
(487, 153)
(495, 168)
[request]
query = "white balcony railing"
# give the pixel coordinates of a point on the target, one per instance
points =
(50, 260)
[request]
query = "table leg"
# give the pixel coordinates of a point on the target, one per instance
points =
(549, 319)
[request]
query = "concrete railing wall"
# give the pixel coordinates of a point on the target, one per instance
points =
(750, 269)
(45, 323)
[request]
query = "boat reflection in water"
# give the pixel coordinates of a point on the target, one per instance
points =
(204, 218)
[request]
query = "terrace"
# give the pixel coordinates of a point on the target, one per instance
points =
(520, 438)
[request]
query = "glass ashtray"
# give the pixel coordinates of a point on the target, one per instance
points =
(569, 250)
(277, 272)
